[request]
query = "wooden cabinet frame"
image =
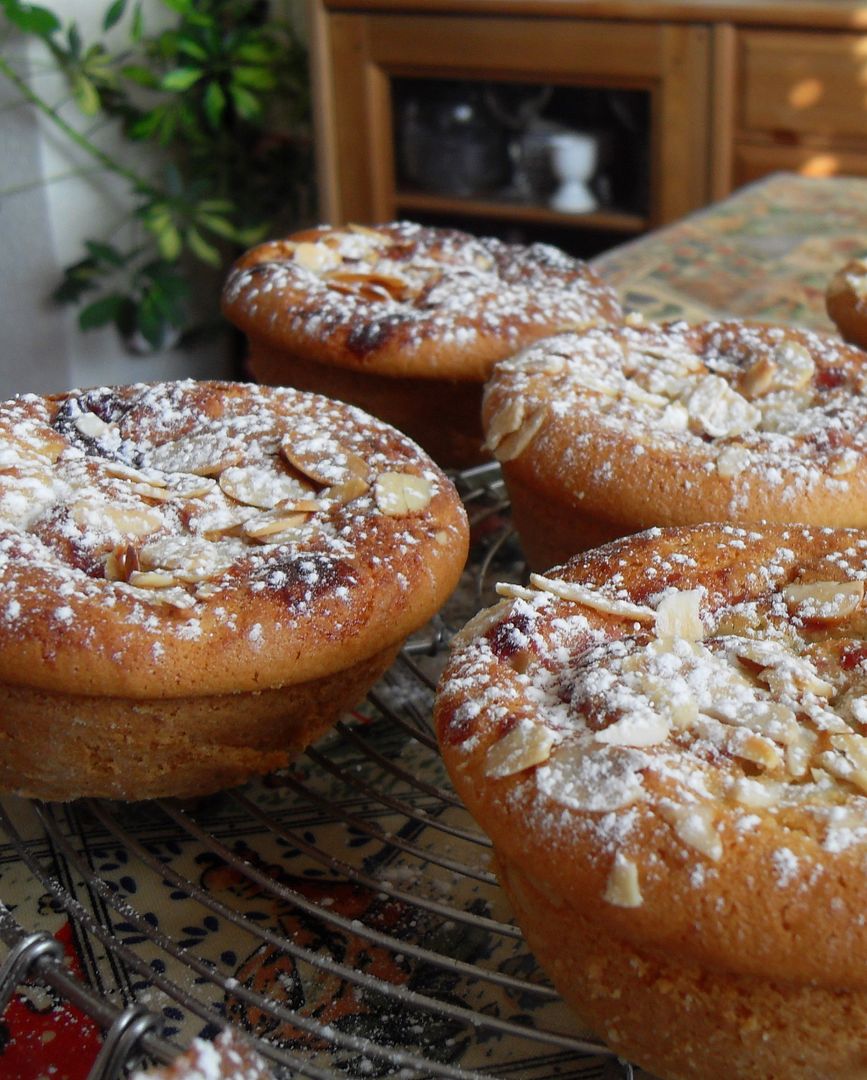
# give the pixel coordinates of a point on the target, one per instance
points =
(357, 54)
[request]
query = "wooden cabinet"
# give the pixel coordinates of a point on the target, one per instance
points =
(728, 92)
(364, 58)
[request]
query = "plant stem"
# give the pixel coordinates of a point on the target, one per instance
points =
(107, 162)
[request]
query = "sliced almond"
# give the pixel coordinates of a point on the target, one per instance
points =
(679, 615)
(91, 425)
(645, 729)
(526, 745)
(152, 579)
(623, 889)
(369, 286)
(273, 523)
(98, 516)
(324, 461)
(757, 750)
(121, 562)
(316, 257)
(675, 417)
(121, 471)
(757, 793)
(399, 493)
(795, 366)
(189, 559)
(202, 455)
(260, 486)
(758, 378)
(190, 486)
(718, 410)
(694, 825)
(505, 421)
(592, 598)
(511, 446)
(824, 601)
(732, 461)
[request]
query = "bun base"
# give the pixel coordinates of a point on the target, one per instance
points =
(731, 1026)
(67, 746)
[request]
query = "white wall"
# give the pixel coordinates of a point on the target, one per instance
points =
(41, 230)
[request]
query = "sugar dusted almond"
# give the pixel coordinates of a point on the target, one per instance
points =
(202, 455)
(757, 750)
(824, 601)
(718, 410)
(505, 421)
(91, 514)
(634, 392)
(273, 523)
(121, 562)
(758, 378)
(260, 485)
(188, 558)
(324, 461)
(399, 493)
(526, 745)
(370, 285)
(758, 793)
(380, 238)
(645, 729)
(623, 889)
(514, 444)
(317, 257)
(732, 461)
(675, 417)
(694, 825)
(152, 579)
(678, 615)
(190, 486)
(121, 471)
(91, 425)
(592, 598)
(795, 366)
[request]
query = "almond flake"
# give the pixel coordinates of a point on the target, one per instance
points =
(91, 425)
(202, 455)
(758, 378)
(120, 471)
(678, 615)
(694, 825)
(757, 793)
(121, 562)
(260, 486)
(369, 286)
(398, 493)
(719, 410)
(513, 445)
(795, 366)
(824, 601)
(106, 517)
(189, 559)
(151, 579)
(526, 745)
(505, 421)
(732, 461)
(639, 730)
(592, 598)
(622, 889)
(316, 257)
(272, 523)
(190, 486)
(324, 461)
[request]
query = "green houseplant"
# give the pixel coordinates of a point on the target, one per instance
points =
(213, 96)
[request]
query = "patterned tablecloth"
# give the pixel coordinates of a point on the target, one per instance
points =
(764, 253)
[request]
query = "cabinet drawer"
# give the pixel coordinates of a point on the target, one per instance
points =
(752, 162)
(804, 83)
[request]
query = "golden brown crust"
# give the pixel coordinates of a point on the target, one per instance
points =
(191, 565)
(401, 299)
(667, 737)
(846, 301)
(646, 425)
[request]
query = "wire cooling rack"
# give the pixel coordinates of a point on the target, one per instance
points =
(341, 913)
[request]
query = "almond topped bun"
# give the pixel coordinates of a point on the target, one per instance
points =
(666, 740)
(406, 320)
(615, 430)
(846, 301)
(196, 578)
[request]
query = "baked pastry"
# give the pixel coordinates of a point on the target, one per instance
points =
(615, 430)
(405, 320)
(228, 1057)
(666, 740)
(196, 578)
(846, 301)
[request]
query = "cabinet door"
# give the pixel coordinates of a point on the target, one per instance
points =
(358, 56)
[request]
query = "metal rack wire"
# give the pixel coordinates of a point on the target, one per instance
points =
(341, 913)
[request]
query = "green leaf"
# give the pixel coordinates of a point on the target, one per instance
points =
(106, 253)
(217, 206)
(137, 28)
(190, 47)
(168, 240)
(252, 234)
(114, 14)
(214, 103)
(86, 95)
(255, 52)
(74, 38)
(202, 249)
(217, 225)
(78, 279)
(31, 19)
(140, 75)
(182, 7)
(181, 78)
(258, 78)
(101, 312)
(246, 104)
